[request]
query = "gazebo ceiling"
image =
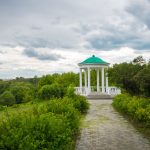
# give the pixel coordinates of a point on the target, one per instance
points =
(93, 61)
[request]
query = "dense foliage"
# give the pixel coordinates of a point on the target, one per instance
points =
(51, 91)
(138, 109)
(44, 125)
(46, 87)
(49, 117)
(133, 77)
(7, 98)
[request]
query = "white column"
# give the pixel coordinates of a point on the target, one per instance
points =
(103, 89)
(85, 78)
(98, 80)
(89, 82)
(107, 84)
(80, 80)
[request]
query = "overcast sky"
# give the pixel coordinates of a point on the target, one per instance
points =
(38, 37)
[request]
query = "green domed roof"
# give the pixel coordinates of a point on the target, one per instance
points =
(93, 60)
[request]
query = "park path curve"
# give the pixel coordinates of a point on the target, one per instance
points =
(105, 129)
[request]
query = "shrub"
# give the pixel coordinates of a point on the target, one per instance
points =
(51, 91)
(22, 92)
(46, 80)
(79, 102)
(70, 91)
(49, 125)
(67, 109)
(7, 98)
(136, 108)
(45, 131)
(1, 107)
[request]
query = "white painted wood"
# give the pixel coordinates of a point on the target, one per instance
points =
(107, 84)
(80, 79)
(103, 88)
(85, 78)
(98, 89)
(89, 81)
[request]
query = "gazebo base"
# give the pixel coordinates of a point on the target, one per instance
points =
(95, 95)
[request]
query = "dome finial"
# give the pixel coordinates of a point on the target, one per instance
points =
(93, 55)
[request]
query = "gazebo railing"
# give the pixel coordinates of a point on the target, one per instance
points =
(112, 90)
(81, 91)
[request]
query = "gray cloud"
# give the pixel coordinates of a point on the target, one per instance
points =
(36, 28)
(42, 27)
(42, 56)
(141, 10)
(67, 24)
(118, 40)
(52, 24)
(27, 41)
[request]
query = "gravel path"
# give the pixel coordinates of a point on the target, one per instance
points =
(105, 129)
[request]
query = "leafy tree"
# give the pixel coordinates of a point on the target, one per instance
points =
(142, 79)
(68, 78)
(132, 77)
(139, 60)
(4, 85)
(23, 92)
(7, 98)
(119, 73)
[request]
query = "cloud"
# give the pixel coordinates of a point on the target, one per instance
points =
(35, 42)
(70, 24)
(37, 35)
(42, 56)
(125, 33)
(118, 40)
(140, 9)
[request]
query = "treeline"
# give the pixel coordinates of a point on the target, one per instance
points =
(21, 90)
(133, 77)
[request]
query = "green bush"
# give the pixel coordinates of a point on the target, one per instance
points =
(22, 92)
(67, 109)
(1, 107)
(51, 91)
(32, 132)
(70, 91)
(50, 125)
(136, 108)
(7, 98)
(46, 80)
(80, 103)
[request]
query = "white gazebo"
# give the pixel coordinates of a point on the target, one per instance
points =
(98, 65)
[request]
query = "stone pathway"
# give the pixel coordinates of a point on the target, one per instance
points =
(105, 129)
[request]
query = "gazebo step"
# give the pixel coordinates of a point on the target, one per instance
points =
(98, 96)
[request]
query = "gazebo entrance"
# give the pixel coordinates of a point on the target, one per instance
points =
(100, 66)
